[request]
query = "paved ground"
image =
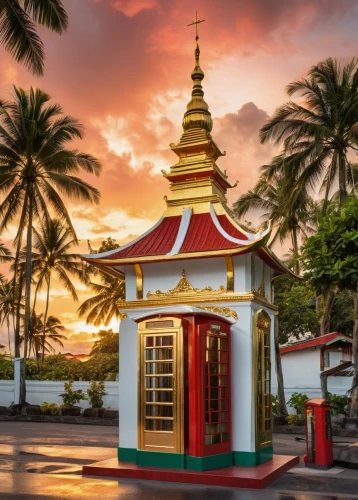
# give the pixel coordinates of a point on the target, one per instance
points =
(44, 461)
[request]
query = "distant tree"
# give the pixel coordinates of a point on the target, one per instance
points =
(54, 333)
(296, 309)
(108, 343)
(35, 168)
(18, 30)
(330, 259)
(319, 133)
(102, 307)
(51, 256)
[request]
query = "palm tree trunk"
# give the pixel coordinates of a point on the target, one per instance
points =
(279, 373)
(45, 318)
(8, 334)
(342, 178)
(328, 300)
(28, 271)
(295, 249)
(354, 402)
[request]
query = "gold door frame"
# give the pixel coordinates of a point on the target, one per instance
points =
(261, 328)
(178, 383)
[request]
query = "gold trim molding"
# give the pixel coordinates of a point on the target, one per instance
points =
(184, 288)
(224, 311)
(162, 301)
(122, 315)
(139, 281)
(229, 274)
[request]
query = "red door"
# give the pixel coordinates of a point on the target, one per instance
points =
(209, 387)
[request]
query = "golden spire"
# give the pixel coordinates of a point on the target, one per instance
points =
(197, 111)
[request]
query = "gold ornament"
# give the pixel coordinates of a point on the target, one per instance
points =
(224, 311)
(185, 288)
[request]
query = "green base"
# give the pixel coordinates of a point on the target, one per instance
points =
(165, 460)
(210, 462)
(181, 461)
(252, 458)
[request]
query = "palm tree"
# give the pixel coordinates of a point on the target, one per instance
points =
(51, 256)
(53, 333)
(36, 167)
(103, 306)
(291, 211)
(18, 30)
(7, 305)
(318, 135)
(5, 254)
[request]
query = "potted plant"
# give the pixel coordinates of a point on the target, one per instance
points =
(70, 397)
(95, 394)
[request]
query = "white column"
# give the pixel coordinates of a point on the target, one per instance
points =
(128, 384)
(241, 380)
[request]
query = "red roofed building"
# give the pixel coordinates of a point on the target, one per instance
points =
(304, 361)
(197, 320)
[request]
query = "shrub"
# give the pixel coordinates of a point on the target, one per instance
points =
(293, 419)
(95, 393)
(338, 403)
(297, 402)
(49, 408)
(71, 397)
(275, 405)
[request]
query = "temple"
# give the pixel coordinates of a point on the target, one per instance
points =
(196, 325)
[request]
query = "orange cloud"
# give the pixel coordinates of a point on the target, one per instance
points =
(131, 8)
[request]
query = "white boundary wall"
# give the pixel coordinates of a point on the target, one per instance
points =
(37, 392)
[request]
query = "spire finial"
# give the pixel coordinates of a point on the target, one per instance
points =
(196, 22)
(197, 111)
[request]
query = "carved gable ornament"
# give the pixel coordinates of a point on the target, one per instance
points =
(185, 288)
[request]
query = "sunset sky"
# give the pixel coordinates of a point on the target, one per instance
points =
(123, 69)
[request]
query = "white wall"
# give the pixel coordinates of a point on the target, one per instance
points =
(37, 392)
(301, 373)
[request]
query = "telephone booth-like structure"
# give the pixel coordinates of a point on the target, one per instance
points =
(184, 388)
(196, 319)
(318, 434)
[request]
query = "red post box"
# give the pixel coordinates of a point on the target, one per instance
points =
(318, 434)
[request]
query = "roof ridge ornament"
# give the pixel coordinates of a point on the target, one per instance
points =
(197, 113)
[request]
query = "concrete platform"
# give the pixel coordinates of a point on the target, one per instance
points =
(238, 477)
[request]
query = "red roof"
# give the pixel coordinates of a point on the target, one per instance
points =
(158, 242)
(317, 342)
(202, 235)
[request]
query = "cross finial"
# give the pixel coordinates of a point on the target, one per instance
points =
(196, 22)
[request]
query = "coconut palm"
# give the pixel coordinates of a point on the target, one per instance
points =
(51, 256)
(5, 254)
(291, 211)
(18, 29)
(7, 305)
(36, 169)
(53, 333)
(319, 134)
(103, 306)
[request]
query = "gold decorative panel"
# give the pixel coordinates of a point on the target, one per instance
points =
(184, 288)
(224, 311)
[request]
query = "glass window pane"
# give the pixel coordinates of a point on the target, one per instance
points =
(207, 439)
(214, 393)
(165, 425)
(164, 368)
(224, 344)
(213, 343)
(214, 405)
(223, 368)
(149, 341)
(165, 382)
(225, 438)
(214, 381)
(213, 356)
(164, 340)
(224, 357)
(150, 368)
(214, 368)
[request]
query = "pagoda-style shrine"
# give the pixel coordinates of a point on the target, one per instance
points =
(196, 325)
